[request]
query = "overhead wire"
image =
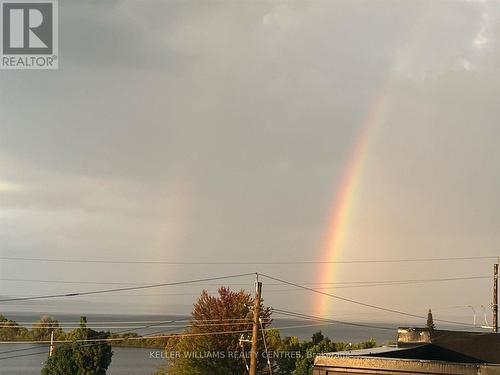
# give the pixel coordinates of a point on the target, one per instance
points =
(265, 347)
(61, 295)
(322, 319)
(395, 311)
(204, 263)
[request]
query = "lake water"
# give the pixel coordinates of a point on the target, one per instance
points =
(138, 361)
(300, 328)
(126, 361)
(135, 361)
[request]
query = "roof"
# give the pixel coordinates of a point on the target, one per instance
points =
(420, 351)
(342, 365)
(366, 352)
(483, 346)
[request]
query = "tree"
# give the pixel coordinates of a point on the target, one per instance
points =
(206, 350)
(61, 362)
(430, 321)
(321, 344)
(317, 337)
(44, 327)
(286, 352)
(83, 356)
(304, 365)
(11, 331)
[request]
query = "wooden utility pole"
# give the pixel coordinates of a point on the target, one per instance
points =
(51, 350)
(255, 330)
(495, 297)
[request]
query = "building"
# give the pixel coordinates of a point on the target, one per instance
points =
(420, 351)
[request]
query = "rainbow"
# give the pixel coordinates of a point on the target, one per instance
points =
(345, 196)
(343, 204)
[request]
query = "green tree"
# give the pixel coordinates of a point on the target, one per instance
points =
(11, 331)
(320, 344)
(304, 365)
(83, 356)
(317, 337)
(43, 328)
(430, 321)
(62, 362)
(286, 351)
(227, 312)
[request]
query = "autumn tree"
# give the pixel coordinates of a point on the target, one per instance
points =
(212, 341)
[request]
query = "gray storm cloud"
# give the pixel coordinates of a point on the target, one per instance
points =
(207, 131)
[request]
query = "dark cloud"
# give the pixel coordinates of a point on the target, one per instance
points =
(203, 130)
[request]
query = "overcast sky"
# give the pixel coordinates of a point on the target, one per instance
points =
(209, 131)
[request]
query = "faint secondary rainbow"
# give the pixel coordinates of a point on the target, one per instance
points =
(345, 197)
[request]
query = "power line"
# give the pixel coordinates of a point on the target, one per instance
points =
(359, 302)
(190, 324)
(119, 332)
(146, 337)
(205, 263)
(265, 347)
(366, 285)
(61, 295)
(97, 341)
(232, 320)
(276, 310)
(229, 321)
(334, 321)
(219, 278)
(340, 284)
(38, 346)
(183, 320)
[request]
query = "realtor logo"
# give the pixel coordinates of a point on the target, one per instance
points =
(29, 37)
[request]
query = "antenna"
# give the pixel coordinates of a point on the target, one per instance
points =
(494, 306)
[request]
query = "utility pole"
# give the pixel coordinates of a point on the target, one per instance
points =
(494, 306)
(255, 330)
(51, 350)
